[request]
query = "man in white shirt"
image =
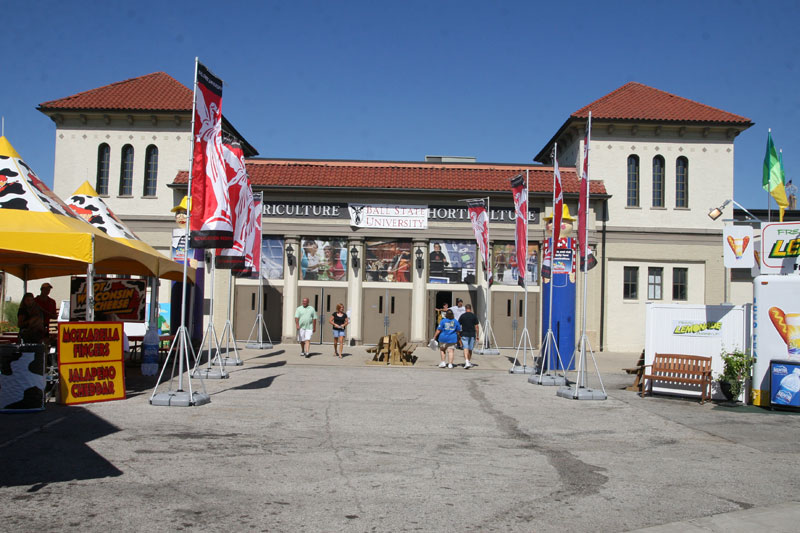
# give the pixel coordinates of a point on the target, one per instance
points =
(458, 309)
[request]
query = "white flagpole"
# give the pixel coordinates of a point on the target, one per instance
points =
(545, 378)
(182, 345)
(580, 392)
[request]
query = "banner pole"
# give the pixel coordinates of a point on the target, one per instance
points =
(181, 345)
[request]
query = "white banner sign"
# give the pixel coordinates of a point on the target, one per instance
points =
(389, 216)
(780, 247)
(737, 245)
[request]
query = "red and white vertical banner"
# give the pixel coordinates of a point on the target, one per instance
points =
(519, 189)
(583, 202)
(558, 202)
(479, 217)
(252, 259)
(210, 221)
(241, 199)
(558, 211)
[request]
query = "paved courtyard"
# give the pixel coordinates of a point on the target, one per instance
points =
(319, 444)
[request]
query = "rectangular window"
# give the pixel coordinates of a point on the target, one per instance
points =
(633, 181)
(682, 182)
(680, 277)
(658, 181)
(655, 275)
(630, 283)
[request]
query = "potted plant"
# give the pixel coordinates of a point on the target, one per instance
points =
(736, 371)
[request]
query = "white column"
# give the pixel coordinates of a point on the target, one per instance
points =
(355, 295)
(290, 276)
(419, 296)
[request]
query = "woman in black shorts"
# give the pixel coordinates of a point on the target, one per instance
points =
(339, 321)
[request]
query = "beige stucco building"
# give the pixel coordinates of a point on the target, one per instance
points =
(658, 162)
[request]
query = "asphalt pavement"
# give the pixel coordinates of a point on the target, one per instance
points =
(322, 444)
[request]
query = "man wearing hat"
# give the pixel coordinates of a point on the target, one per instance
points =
(47, 305)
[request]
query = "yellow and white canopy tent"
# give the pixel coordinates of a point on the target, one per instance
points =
(41, 237)
(87, 204)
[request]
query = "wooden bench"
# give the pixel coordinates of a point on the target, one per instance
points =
(393, 349)
(638, 370)
(677, 368)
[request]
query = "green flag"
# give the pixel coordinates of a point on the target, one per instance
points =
(773, 176)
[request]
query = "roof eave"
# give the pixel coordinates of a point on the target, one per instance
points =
(544, 153)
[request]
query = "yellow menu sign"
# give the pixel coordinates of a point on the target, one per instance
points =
(90, 365)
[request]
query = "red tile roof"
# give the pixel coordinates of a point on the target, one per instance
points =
(153, 92)
(478, 177)
(635, 101)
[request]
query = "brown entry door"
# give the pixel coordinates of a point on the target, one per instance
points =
(324, 300)
(508, 312)
(245, 312)
(386, 311)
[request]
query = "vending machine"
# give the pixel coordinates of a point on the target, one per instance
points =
(776, 335)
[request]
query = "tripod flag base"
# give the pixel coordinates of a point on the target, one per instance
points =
(210, 373)
(548, 380)
(581, 393)
(180, 399)
(259, 346)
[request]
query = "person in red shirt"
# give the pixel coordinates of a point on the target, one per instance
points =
(47, 305)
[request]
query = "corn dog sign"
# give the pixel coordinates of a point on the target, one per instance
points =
(90, 363)
(738, 246)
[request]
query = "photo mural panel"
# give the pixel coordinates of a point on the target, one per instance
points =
(452, 261)
(504, 263)
(388, 260)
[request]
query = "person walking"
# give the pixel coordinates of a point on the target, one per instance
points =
(447, 334)
(339, 321)
(305, 319)
(470, 331)
(459, 310)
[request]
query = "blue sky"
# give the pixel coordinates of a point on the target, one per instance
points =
(401, 80)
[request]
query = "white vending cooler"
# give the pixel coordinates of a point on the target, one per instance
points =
(776, 328)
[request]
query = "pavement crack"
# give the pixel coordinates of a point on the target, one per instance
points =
(337, 453)
(577, 477)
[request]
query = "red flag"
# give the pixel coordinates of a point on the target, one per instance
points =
(520, 191)
(210, 220)
(583, 203)
(480, 226)
(558, 202)
(241, 198)
(558, 211)
(252, 258)
(255, 245)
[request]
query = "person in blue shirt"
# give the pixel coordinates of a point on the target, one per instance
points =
(448, 334)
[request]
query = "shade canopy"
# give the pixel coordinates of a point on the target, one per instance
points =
(87, 204)
(41, 237)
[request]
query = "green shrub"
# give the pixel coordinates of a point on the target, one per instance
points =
(10, 311)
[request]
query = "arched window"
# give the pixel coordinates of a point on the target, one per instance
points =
(103, 159)
(658, 181)
(150, 170)
(682, 182)
(126, 171)
(633, 181)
